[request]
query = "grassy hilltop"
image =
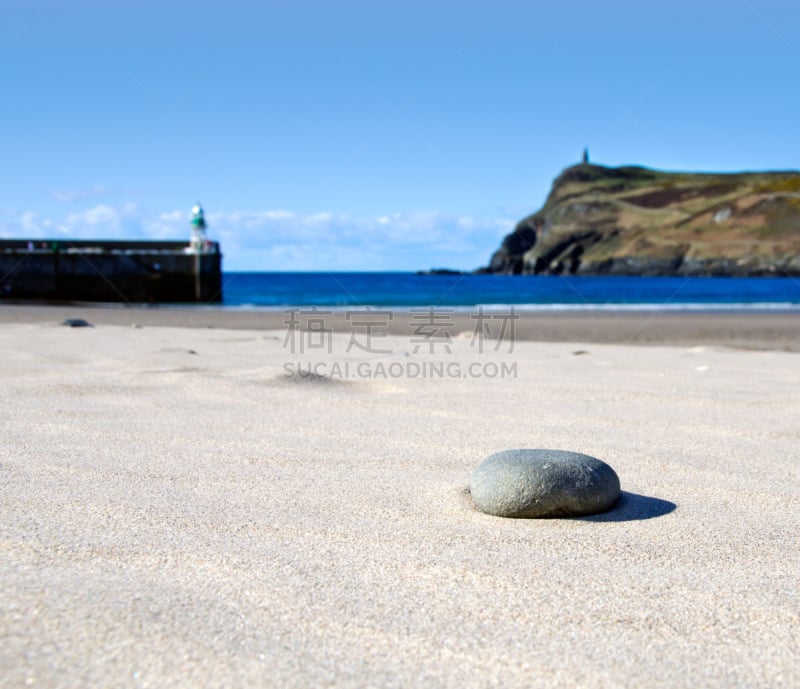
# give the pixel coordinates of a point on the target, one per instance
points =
(634, 221)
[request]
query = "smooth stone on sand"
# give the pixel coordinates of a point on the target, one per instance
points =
(543, 483)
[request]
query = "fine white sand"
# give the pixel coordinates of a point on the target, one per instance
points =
(174, 511)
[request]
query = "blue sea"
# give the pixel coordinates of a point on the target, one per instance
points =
(273, 290)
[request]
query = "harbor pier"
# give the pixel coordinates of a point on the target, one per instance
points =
(62, 270)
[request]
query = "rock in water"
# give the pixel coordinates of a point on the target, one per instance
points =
(543, 483)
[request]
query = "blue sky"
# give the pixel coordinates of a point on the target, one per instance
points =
(370, 135)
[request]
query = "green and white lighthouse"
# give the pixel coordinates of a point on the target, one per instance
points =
(199, 242)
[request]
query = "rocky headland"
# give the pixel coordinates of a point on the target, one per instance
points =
(631, 220)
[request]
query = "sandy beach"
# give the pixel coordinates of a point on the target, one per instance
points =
(760, 330)
(208, 500)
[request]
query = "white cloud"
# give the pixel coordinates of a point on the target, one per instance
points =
(320, 219)
(105, 221)
(278, 215)
(99, 215)
(281, 239)
(30, 223)
(71, 196)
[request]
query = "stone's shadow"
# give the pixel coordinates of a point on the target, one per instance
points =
(633, 507)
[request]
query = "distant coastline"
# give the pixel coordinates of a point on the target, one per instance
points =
(633, 221)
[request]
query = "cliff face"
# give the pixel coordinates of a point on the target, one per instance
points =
(634, 221)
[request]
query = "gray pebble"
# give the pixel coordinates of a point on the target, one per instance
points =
(543, 483)
(77, 323)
